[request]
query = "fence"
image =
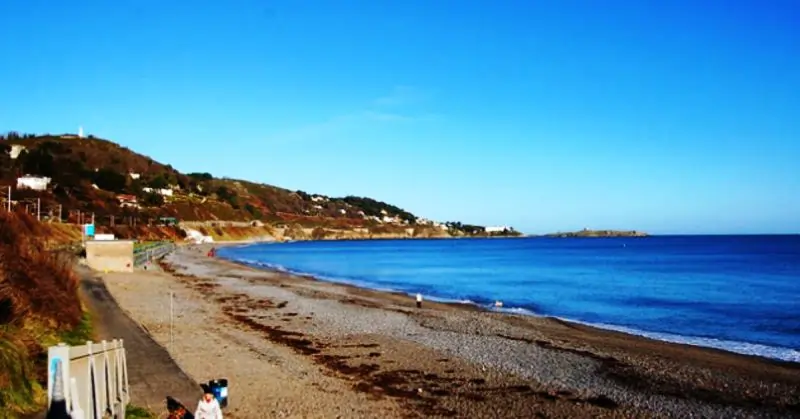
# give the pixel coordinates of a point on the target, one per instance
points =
(143, 254)
(88, 381)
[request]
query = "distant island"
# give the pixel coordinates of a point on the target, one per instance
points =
(599, 233)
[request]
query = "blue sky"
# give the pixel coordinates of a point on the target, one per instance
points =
(666, 116)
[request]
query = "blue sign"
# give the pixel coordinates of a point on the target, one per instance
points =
(89, 230)
(53, 364)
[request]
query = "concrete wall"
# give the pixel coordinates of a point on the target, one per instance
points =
(112, 256)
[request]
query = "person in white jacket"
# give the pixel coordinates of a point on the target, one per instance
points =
(208, 406)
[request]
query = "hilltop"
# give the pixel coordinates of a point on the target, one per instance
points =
(79, 177)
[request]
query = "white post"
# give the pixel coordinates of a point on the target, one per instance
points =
(171, 318)
(58, 355)
(38, 209)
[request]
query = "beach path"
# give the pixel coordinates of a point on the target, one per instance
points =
(152, 373)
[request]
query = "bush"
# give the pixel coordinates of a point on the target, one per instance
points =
(153, 200)
(39, 306)
(318, 233)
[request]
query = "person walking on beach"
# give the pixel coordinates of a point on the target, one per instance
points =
(208, 406)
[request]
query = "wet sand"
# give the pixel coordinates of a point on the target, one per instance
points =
(296, 347)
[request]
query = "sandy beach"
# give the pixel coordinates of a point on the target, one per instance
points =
(296, 347)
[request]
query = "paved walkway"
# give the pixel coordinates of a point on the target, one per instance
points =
(152, 373)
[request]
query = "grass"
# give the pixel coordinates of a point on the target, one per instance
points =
(39, 307)
(136, 412)
(80, 334)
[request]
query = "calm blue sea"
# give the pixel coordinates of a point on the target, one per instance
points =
(739, 293)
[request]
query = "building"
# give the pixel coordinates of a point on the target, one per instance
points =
(110, 255)
(134, 175)
(129, 201)
(498, 229)
(15, 151)
(37, 183)
(162, 192)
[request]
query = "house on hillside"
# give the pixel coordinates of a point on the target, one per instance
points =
(134, 175)
(37, 183)
(15, 151)
(162, 192)
(498, 229)
(128, 201)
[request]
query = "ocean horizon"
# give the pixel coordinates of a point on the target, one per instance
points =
(739, 293)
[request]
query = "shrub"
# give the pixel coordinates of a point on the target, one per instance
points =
(39, 306)
(318, 233)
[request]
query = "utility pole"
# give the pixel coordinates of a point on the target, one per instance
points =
(59, 213)
(38, 209)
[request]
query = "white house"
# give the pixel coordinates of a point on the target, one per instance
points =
(37, 183)
(162, 192)
(498, 229)
(15, 151)
(135, 175)
(197, 237)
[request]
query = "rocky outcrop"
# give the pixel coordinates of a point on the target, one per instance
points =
(600, 233)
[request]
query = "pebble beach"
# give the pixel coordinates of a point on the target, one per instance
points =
(293, 346)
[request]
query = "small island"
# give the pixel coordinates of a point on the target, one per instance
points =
(599, 233)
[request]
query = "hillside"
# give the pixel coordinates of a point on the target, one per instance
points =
(39, 307)
(91, 176)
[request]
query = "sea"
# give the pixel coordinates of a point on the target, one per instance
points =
(736, 293)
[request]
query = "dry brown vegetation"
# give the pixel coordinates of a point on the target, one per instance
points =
(39, 306)
(76, 164)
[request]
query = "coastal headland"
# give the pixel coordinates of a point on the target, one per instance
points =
(293, 346)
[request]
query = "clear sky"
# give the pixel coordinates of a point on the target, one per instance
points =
(677, 116)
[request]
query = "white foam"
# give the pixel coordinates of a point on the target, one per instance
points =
(745, 348)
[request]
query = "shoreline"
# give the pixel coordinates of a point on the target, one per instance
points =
(627, 372)
(518, 311)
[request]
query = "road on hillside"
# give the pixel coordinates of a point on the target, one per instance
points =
(152, 373)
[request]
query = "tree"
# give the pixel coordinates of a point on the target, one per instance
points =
(37, 162)
(252, 210)
(223, 193)
(201, 176)
(110, 180)
(158, 182)
(153, 200)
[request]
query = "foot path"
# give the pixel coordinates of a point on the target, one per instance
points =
(152, 373)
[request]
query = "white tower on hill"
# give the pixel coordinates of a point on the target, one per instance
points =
(80, 132)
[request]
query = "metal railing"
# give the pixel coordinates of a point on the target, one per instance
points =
(146, 253)
(88, 381)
